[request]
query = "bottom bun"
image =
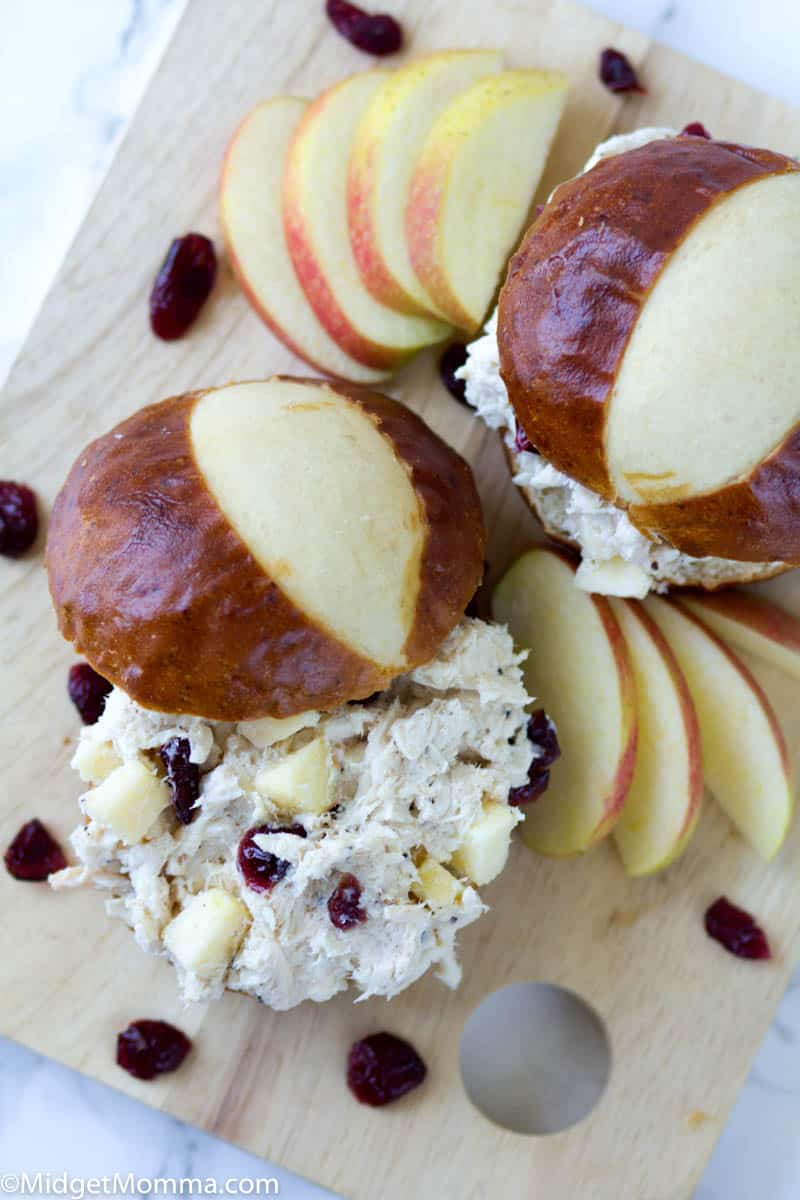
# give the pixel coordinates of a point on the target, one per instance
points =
(709, 574)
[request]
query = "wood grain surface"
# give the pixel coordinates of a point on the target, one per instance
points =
(684, 1019)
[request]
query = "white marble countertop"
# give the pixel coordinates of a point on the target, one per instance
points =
(70, 77)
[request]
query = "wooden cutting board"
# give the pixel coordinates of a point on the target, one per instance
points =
(684, 1018)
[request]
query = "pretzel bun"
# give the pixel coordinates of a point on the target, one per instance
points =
(708, 574)
(649, 339)
(264, 548)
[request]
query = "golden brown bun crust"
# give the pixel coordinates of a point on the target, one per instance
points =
(575, 289)
(453, 558)
(761, 512)
(158, 591)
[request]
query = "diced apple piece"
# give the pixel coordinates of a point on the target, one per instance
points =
(94, 761)
(315, 224)
(206, 934)
(266, 731)
(389, 139)
(300, 783)
(663, 803)
(751, 624)
(128, 800)
(251, 200)
(484, 850)
(580, 670)
(436, 884)
(474, 184)
(613, 577)
(745, 759)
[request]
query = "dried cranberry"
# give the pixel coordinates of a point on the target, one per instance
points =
(87, 691)
(542, 732)
(696, 129)
(183, 777)
(344, 903)
(182, 285)
(539, 209)
(454, 357)
(522, 442)
(736, 930)
(382, 1068)
(527, 793)
(149, 1048)
(375, 33)
(260, 869)
(618, 73)
(19, 518)
(34, 854)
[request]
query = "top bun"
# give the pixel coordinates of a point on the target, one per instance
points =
(264, 548)
(649, 339)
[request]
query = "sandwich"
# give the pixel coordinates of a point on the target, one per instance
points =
(302, 774)
(642, 364)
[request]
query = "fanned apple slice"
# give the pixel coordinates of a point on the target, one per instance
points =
(315, 224)
(382, 163)
(580, 670)
(752, 624)
(663, 804)
(252, 225)
(473, 186)
(745, 760)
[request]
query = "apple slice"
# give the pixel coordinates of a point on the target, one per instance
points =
(745, 759)
(315, 224)
(473, 186)
(580, 669)
(752, 624)
(663, 803)
(252, 225)
(390, 137)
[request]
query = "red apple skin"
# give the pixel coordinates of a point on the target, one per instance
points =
(364, 240)
(282, 334)
(756, 614)
(423, 221)
(615, 801)
(751, 681)
(324, 303)
(691, 726)
(364, 164)
(315, 285)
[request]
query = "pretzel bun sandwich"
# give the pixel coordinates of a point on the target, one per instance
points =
(264, 548)
(303, 769)
(648, 347)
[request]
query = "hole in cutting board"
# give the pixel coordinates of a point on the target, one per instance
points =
(535, 1058)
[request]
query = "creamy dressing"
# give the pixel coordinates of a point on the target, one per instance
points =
(410, 773)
